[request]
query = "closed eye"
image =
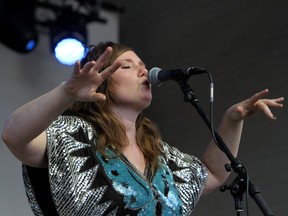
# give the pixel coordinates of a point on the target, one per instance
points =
(126, 67)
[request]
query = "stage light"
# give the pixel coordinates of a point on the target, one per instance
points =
(64, 20)
(68, 50)
(68, 42)
(18, 25)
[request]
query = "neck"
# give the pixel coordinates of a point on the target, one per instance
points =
(128, 119)
(125, 115)
(132, 151)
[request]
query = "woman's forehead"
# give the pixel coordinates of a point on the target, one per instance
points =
(130, 56)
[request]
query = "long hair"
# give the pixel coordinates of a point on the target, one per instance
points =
(110, 131)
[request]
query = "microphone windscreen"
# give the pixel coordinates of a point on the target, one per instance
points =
(153, 76)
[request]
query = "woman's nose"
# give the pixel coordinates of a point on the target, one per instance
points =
(143, 72)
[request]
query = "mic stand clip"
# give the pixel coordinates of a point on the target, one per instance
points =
(237, 189)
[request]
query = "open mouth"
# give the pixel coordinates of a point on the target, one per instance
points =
(146, 82)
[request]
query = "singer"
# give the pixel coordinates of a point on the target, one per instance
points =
(87, 149)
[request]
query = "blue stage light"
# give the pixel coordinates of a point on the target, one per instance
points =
(68, 43)
(69, 50)
(18, 25)
(31, 44)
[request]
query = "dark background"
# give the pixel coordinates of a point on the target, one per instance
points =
(243, 44)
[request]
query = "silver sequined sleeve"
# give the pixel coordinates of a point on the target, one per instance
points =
(190, 176)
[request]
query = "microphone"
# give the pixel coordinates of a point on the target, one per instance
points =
(156, 75)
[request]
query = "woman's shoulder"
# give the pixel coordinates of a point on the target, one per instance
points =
(70, 123)
(180, 159)
(71, 126)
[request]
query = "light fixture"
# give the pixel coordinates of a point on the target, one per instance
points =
(68, 42)
(18, 25)
(65, 21)
(67, 28)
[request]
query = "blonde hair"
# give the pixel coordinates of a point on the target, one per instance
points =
(110, 131)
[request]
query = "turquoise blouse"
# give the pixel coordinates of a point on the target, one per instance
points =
(81, 181)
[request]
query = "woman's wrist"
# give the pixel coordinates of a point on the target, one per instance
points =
(67, 95)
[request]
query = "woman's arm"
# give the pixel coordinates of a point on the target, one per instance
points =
(230, 130)
(24, 131)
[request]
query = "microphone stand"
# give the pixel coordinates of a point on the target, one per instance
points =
(241, 182)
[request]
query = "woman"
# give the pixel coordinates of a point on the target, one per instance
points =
(87, 149)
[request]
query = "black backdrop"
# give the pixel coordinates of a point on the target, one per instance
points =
(243, 44)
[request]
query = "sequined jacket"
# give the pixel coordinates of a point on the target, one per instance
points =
(80, 181)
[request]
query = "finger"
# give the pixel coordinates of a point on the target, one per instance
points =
(110, 70)
(95, 96)
(258, 96)
(76, 68)
(273, 102)
(266, 110)
(277, 100)
(87, 67)
(102, 59)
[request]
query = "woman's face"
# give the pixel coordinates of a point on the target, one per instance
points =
(131, 87)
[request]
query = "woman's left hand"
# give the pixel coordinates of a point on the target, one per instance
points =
(253, 104)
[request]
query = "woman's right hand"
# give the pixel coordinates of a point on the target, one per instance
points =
(24, 131)
(84, 82)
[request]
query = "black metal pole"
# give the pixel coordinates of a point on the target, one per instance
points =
(236, 165)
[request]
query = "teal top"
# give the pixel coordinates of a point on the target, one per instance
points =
(81, 181)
